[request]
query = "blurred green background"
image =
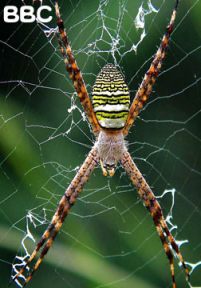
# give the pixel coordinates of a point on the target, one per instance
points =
(109, 239)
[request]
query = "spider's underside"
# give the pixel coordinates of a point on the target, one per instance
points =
(111, 118)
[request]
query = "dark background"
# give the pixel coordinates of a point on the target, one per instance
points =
(109, 239)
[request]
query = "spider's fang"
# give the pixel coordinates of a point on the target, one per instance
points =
(107, 170)
(111, 172)
(103, 169)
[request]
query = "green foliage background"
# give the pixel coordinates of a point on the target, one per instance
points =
(34, 171)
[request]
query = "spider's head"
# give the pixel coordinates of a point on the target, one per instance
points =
(110, 146)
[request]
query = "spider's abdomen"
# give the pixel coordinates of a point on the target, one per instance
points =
(111, 98)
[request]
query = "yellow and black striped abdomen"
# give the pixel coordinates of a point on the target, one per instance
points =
(111, 98)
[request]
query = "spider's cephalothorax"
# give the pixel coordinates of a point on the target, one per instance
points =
(110, 147)
(111, 118)
(111, 98)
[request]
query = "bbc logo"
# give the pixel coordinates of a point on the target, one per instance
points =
(26, 14)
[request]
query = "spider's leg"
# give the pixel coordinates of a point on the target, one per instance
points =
(66, 202)
(48, 244)
(149, 79)
(74, 72)
(45, 236)
(168, 252)
(155, 210)
(174, 246)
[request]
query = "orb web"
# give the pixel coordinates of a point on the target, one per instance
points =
(108, 239)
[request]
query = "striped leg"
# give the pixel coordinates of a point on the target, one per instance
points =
(66, 202)
(168, 251)
(146, 86)
(155, 210)
(74, 72)
(174, 246)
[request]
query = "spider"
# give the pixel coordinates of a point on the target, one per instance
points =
(111, 116)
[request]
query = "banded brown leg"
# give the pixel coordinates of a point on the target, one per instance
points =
(66, 202)
(155, 210)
